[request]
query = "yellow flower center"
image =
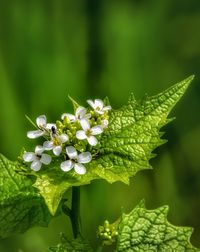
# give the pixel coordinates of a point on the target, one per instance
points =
(56, 141)
(88, 133)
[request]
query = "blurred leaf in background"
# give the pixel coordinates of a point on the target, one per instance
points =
(89, 49)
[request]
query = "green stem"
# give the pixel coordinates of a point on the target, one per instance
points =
(75, 211)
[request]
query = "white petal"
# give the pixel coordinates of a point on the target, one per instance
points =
(57, 150)
(41, 121)
(71, 152)
(92, 140)
(50, 125)
(64, 138)
(98, 104)
(35, 134)
(85, 124)
(70, 116)
(45, 159)
(39, 149)
(96, 130)
(84, 157)
(29, 156)
(80, 169)
(36, 165)
(63, 116)
(80, 112)
(80, 134)
(67, 165)
(48, 145)
(91, 103)
(107, 108)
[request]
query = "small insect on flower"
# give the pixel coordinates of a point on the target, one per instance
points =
(43, 127)
(98, 106)
(76, 161)
(37, 158)
(88, 132)
(81, 113)
(53, 132)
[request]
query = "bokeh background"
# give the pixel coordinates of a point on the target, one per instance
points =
(98, 48)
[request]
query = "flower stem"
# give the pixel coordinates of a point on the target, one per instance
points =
(75, 211)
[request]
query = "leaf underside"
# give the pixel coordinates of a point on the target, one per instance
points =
(21, 207)
(126, 147)
(148, 230)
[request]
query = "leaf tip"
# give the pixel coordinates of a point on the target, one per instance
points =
(191, 77)
(188, 80)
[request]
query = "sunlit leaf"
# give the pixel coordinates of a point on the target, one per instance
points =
(134, 132)
(149, 230)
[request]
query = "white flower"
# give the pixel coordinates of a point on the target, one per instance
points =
(37, 158)
(56, 143)
(75, 161)
(43, 126)
(98, 106)
(88, 132)
(79, 115)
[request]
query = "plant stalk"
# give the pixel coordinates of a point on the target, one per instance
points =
(75, 211)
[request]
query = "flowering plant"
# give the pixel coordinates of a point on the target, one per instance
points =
(96, 142)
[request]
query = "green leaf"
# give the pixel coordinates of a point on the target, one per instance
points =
(75, 245)
(53, 184)
(125, 147)
(133, 134)
(149, 230)
(21, 206)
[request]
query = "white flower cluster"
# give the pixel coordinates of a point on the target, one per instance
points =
(70, 138)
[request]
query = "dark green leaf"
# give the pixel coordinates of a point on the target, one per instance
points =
(21, 206)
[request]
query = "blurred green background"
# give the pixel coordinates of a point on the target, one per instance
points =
(98, 48)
